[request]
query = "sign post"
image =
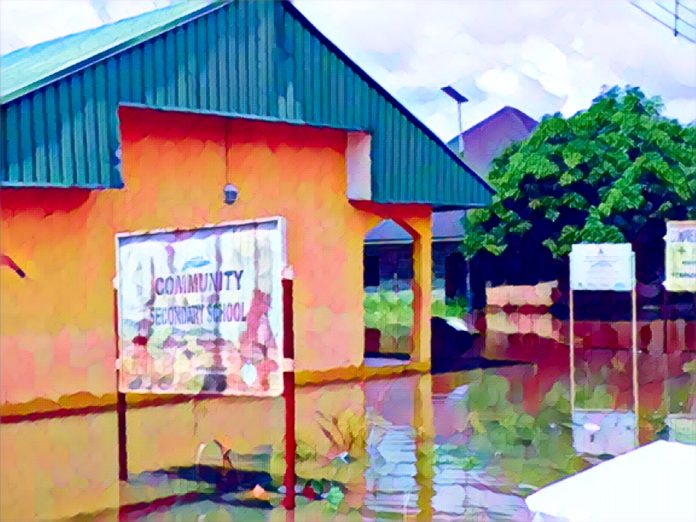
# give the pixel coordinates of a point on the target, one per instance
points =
(204, 312)
(602, 267)
(121, 406)
(680, 264)
(571, 355)
(290, 478)
(680, 256)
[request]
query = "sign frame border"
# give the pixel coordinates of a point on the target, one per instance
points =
(632, 259)
(282, 227)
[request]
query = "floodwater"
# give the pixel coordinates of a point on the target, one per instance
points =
(466, 445)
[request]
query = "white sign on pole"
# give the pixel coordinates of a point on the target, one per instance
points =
(680, 256)
(604, 266)
(201, 311)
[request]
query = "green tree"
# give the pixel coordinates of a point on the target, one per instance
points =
(613, 173)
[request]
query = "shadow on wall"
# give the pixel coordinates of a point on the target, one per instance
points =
(45, 200)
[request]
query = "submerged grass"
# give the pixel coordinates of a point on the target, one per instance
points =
(392, 312)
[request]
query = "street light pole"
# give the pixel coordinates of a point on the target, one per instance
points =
(461, 129)
(461, 99)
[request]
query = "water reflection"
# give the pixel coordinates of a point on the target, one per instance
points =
(604, 433)
(466, 445)
(681, 427)
(391, 485)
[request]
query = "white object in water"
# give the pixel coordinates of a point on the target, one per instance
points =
(590, 426)
(597, 432)
(655, 482)
(458, 394)
(460, 325)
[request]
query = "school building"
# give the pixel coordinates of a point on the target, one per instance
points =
(141, 124)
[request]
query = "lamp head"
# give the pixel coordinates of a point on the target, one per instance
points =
(231, 193)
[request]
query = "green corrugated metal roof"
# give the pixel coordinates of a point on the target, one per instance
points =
(26, 69)
(259, 59)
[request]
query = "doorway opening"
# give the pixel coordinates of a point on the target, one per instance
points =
(449, 295)
(388, 294)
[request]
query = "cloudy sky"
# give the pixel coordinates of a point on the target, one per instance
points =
(540, 56)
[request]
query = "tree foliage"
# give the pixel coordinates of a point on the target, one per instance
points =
(606, 174)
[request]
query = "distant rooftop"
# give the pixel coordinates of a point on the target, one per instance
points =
(490, 137)
(446, 226)
(482, 144)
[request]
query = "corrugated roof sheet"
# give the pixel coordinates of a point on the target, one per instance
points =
(27, 68)
(259, 59)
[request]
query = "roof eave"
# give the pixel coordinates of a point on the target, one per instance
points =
(302, 19)
(147, 35)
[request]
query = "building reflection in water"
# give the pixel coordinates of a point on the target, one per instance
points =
(457, 446)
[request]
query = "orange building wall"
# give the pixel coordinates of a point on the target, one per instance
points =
(56, 326)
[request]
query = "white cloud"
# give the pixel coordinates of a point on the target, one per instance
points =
(501, 82)
(537, 55)
(29, 22)
(683, 109)
(127, 8)
(543, 61)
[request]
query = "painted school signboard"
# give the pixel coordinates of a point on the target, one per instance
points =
(602, 267)
(201, 311)
(680, 256)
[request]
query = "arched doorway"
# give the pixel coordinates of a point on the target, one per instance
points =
(388, 294)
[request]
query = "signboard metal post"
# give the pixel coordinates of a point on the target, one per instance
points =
(121, 406)
(290, 478)
(571, 355)
(634, 348)
(680, 265)
(604, 267)
(205, 311)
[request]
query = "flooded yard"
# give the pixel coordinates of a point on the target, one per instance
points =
(465, 445)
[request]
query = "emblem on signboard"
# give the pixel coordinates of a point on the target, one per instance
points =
(195, 262)
(602, 267)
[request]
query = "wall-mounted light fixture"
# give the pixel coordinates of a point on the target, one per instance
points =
(231, 193)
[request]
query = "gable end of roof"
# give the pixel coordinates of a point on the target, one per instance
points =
(301, 76)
